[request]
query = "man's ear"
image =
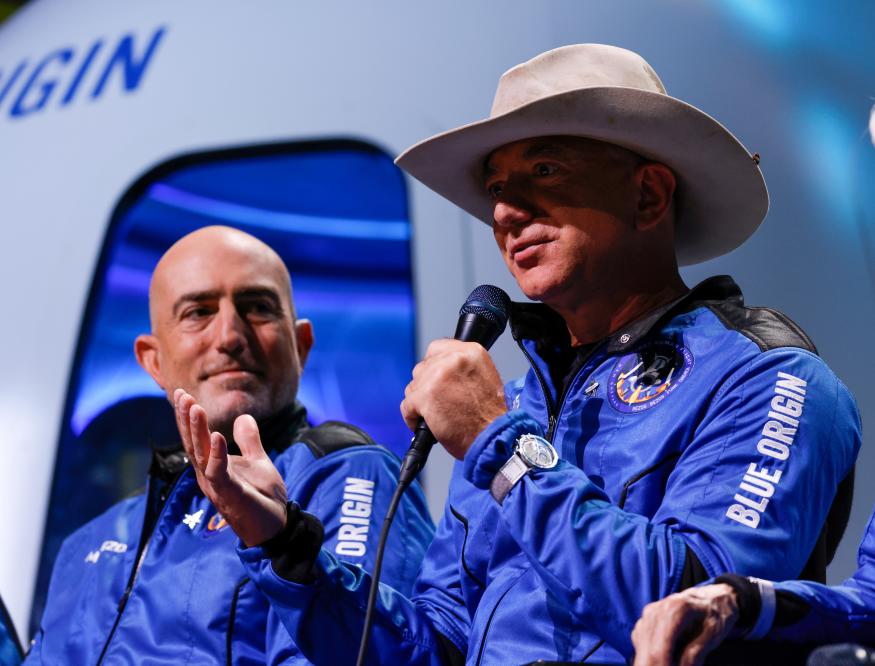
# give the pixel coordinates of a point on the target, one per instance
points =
(304, 339)
(656, 186)
(146, 351)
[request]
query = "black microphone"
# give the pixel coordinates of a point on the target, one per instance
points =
(482, 319)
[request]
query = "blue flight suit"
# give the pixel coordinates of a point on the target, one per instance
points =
(706, 437)
(188, 600)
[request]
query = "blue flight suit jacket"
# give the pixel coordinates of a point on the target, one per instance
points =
(705, 438)
(190, 599)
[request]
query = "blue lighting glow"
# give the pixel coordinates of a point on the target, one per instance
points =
(351, 276)
(832, 137)
(769, 18)
(236, 214)
(110, 389)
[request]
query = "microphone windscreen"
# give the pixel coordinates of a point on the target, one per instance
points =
(490, 302)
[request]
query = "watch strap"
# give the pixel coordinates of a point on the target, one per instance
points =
(507, 477)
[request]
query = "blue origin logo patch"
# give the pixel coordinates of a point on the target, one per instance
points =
(647, 376)
(215, 524)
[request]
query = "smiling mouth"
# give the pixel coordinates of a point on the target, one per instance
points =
(231, 373)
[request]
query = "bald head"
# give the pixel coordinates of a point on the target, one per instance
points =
(210, 244)
(223, 326)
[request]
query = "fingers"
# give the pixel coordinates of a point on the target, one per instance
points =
(654, 636)
(693, 655)
(247, 437)
(464, 352)
(440, 346)
(183, 403)
(205, 448)
(697, 649)
(687, 625)
(191, 421)
(640, 642)
(665, 629)
(457, 390)
(713, 630)
(410, 414)
(445, 360)
(409, 409)
(216, 470)
(200, 435)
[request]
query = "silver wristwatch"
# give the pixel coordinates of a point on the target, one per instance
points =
(530, 452)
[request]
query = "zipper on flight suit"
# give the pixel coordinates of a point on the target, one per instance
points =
(552, 410)
(553, 418)
(145, 540)
(551, 406)
(565, 389)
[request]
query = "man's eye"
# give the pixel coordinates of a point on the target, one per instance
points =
(196, 313)
(543, 169)
(494, 190)
(259, 308)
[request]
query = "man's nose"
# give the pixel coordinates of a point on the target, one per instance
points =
(509, 213)
(514, 207)
(232, 330)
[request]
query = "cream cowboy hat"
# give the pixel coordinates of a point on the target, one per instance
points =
(609, 94)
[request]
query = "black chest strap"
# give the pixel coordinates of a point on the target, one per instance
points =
(333, 436)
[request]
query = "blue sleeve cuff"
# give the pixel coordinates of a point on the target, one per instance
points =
(495, 445)
(278, 589)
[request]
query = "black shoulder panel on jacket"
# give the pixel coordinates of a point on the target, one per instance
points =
(767, 328)
(333, 436)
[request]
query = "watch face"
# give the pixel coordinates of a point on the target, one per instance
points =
(537, 451)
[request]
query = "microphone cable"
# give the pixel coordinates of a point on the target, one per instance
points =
(482, 319)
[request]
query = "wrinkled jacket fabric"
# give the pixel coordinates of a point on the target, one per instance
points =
(658, 434)
(192, 601)
(837, 614)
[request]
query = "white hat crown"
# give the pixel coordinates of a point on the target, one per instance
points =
(573, 67)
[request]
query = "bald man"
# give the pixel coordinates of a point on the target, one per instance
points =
(157, 578)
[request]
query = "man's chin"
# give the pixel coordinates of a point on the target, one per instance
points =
(539, 291)
(547, 286)
(222, 410)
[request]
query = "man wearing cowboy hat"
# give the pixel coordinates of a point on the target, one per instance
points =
(662, 436)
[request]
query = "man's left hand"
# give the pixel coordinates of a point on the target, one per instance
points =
(458, 392)
(247, 489)
(684, 627)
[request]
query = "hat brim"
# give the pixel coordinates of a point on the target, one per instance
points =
(721, 195)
